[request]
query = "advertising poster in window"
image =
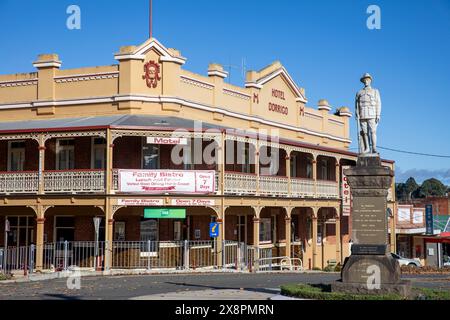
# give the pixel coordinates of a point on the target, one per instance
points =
(166, 181)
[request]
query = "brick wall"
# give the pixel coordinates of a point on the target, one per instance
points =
(230, 227)
(200, 222)
(4, 155)
(50, 154)
(127, 153)
(83, 148)
(31, 156)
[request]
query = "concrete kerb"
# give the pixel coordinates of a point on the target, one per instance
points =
(121, 272)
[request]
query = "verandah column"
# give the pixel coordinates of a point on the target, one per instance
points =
(288, 171)
(109, 213)
(288, 231)
(314, 237)
(314, 163)
(41, 165)
(256, 222)
(40, 220)
(221, 238)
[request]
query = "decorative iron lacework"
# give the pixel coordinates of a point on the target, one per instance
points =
(165, 134)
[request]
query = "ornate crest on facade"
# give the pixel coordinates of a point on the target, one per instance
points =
(152, 75)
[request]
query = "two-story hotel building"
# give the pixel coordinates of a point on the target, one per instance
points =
(99, 142)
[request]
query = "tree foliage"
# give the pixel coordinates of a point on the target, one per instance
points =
(432, 187)
(412, 190)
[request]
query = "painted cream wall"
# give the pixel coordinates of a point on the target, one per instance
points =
(208, 91)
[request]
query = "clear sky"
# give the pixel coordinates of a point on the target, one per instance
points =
(325, 46)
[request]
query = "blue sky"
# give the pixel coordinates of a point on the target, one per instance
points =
(325, 46)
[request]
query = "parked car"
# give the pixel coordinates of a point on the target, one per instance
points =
(405, 261)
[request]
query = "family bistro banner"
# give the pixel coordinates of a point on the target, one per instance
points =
(166, 181)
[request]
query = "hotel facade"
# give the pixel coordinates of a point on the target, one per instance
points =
(132, 144)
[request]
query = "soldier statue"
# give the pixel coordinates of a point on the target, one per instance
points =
(368, 110)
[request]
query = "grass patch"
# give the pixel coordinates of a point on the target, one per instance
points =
(4, 277)
(432, 294)
(323, 292)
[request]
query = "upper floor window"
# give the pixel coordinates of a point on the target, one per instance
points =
(309, 169)
(16, 155)
(294, 165)
(151, 156)
(65, 154)
(98, 153)
(324, 169)
(189, 155)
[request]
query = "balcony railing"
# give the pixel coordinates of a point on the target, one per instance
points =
(76, 181)
(240, 183)
(301, 188)
(235, 183)
(273, 186)
(327, 189)
(19, 182)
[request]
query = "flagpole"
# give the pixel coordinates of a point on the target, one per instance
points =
(151, 19)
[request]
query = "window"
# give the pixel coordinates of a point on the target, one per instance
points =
(149, 230)
(151, 156)
(324, 169)
(21, 230)
(245, 158)
(65, 154)
(241, 228)
(64, 229)
(294, 165)
(309, 169)
(188, 156)
(98, 153)
(177, 228)
(265, 230)
(16, 155)
(119, 231)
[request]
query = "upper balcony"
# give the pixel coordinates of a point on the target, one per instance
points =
(77, 163)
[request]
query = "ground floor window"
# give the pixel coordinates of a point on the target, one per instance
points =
(177, 230)
(119, 231)
(149, 230)
(265, 230)
(21, 231)
(64, 229)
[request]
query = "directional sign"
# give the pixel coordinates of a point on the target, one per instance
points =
(214, 230)
(429, 219)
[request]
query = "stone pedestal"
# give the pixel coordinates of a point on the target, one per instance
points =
(370, 268)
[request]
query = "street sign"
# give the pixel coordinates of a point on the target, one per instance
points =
(214, 230)
(164, 213)
(429, 219)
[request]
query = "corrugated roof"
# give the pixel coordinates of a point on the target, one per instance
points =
(102, 121)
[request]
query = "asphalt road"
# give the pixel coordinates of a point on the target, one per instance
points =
(131, 287)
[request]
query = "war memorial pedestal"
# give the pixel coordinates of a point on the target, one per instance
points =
(370, 269)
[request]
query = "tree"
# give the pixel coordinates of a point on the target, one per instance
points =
(410, 187)
(432, 187)
(400, 191)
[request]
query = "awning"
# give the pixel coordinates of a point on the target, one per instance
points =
(444, 237)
